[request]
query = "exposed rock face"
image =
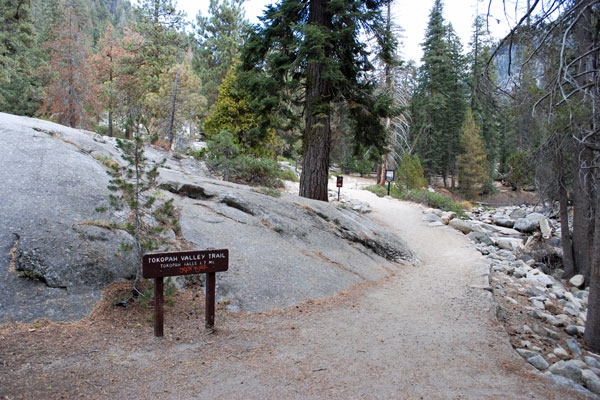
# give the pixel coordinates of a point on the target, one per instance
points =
(51, 189)
(282, 251)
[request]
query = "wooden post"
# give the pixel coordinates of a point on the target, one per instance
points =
(158, 307)
(210, 300)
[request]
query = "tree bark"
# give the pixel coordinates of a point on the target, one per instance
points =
(317, 131)
(582, 219)
(592, 325)
(565, 233)
(172, 117)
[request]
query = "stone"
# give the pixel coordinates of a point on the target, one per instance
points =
(591, 361)
(461, 225)
(591, 381)
(510, 244)
(561, 353)
(545, 228)
(550, 333)
(479, 237)
(527, 353)
(526, 225)
(567, 369)
(575, 330)
(582, 295)
(431, 218)
(539, 278)
(506, 255)
(518, 213)
(574, 346)
(577, 281)
(537, 217)
(538, 362)
(447, 216)
(504, 222)
(538, 304)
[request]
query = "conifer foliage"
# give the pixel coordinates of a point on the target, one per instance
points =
(438, 105)
(71, 97)
(220, 37)
(16, 39)
(472, 162)
(315, 47)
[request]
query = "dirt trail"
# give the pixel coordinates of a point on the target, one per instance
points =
(421, 333)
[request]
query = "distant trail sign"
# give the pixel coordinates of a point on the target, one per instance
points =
(160, 265)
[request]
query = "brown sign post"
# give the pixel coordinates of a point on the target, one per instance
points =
(161, 265)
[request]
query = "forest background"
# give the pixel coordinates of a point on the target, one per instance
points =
(320, 83)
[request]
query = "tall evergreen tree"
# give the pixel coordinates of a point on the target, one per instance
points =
(438, 105)
(71, 92)
(472, 162)
(17, 35)
(106, 65)
(484, 103)
(315, 45)
(160, 25)
(220, 37)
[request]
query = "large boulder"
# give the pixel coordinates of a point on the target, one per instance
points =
(526, 225)
(282, 250)
(461, 225)
(53, 180)
(51, 189)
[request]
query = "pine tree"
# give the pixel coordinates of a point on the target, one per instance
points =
(178, 100)
(484, 103)
(472, 162)
(313, 47)
(439, 102)
(17, 35)
(106, 65)
(160, 26)
(220, 37)
(71, 93)
(232, 113)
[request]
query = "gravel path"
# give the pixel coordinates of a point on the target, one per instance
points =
(423, 332)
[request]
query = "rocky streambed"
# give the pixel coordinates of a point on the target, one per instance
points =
(543, 315)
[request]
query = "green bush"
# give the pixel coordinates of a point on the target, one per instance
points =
(521, 171)
(288, 175)
(285, 159)
(411, 173)
(225, 157)
(431, 199)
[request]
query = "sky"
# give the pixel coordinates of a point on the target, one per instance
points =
(411, 15)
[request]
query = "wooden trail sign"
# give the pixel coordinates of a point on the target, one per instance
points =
(161, 265)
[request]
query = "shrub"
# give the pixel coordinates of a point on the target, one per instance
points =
(288, 175)
(431, 199)
(521, 172)
(411, 172)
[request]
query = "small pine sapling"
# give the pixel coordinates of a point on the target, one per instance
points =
(135, 186)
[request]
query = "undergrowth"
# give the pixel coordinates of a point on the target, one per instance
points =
(422, 196)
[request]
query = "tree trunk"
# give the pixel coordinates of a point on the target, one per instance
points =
(565, 234)
(172, 117)
(592, 325)
(582, 217)
(110, 123)
(317, 131)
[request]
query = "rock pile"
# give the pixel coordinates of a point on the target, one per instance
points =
(544, 316)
